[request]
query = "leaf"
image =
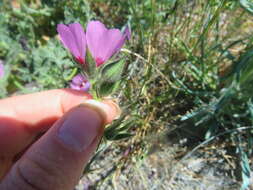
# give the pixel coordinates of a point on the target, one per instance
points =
(212, 128)
(250, 108)
(108, 87)
(247, 5)
(113, 71)
(120, 136)
(119, 126)
(116, 124)
(245, 169)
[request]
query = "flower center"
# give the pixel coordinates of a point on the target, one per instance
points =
(79, 60)
(99, 61)
(83, 84)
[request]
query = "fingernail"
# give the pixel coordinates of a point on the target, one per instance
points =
(80, 128)
(98, 106)
(105, 109)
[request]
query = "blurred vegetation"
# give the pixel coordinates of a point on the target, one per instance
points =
(189, 65)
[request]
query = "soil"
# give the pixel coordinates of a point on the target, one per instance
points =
(169, 164)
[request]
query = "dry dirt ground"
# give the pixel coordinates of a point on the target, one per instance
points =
(169, 164)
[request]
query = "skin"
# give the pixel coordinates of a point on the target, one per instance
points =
(32, 155)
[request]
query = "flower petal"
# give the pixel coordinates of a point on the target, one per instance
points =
(127, 33)
(103, 42)
(80, 82)
(125, 36)
(94, 34)
(78, 79)
(68, 39)
(80, 38)
(111, 40)
(74, 86)
(86, 87)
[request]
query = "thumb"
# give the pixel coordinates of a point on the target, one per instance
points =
(57, 159)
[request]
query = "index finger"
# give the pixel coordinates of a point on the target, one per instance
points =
(41, 109)
(23, 117)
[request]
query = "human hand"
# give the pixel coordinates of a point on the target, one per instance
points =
(46, 139)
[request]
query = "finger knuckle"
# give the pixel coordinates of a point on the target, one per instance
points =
(36, 175)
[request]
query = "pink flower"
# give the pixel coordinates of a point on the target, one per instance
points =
(73, 38)
(79, 82)
(104, 43)
(1, 69)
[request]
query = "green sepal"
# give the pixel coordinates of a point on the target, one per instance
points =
(112, 71)
(110, 75)
(90, 66)
(106, 88)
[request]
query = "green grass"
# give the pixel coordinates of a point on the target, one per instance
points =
(189, 64)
